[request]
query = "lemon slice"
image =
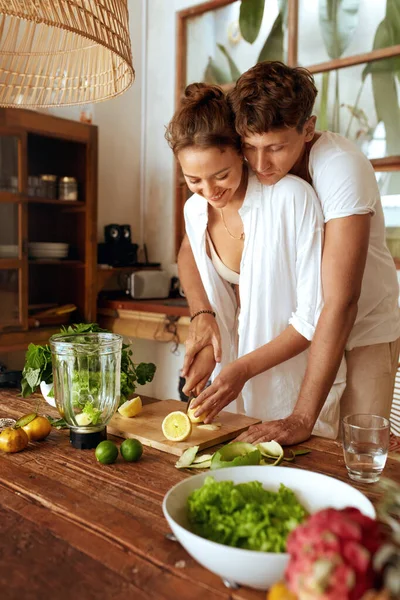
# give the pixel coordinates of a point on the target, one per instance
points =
(131, 408)
(176, 426)
(83, 419)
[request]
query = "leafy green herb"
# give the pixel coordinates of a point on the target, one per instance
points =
(244, 515)
(92, 412)
(57, 423)
(38, 368)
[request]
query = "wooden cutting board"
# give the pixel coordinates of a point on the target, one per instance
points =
(146, 427)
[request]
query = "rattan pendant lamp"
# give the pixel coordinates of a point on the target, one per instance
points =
(63, 52)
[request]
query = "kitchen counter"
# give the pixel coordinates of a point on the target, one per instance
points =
(177, 307)
(162, 320)
(73, 528)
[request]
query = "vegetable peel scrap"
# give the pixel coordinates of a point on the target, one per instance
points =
(238, 454)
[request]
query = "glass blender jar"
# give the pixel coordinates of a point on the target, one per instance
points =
(86, 374)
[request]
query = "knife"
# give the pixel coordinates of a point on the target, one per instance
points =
(191, 397)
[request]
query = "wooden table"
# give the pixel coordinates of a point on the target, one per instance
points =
(72, 528)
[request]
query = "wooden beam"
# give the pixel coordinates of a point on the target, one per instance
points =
(356, 59)
(199, 9)
(389, 163)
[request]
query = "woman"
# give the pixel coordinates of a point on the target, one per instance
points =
(258, 251)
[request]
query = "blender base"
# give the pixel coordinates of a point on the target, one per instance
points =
(87, 441)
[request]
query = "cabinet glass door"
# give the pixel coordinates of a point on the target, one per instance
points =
(10, 316)
(9, 238)
(13, 232)
(9, 176)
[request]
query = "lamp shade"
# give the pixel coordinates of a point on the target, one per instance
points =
(63, 52)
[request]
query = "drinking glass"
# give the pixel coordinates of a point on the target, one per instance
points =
(365, 441)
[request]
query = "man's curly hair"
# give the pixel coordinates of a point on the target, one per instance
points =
(271, 96)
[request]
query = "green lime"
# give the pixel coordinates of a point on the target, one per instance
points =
(131, 450)
(106, 452)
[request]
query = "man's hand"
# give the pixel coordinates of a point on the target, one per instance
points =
(200, 371)
(203, 331)
(288, 431)
(225, 388)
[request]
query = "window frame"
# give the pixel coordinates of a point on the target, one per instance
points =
(389, 163)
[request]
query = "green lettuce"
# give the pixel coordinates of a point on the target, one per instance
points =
(244, 515)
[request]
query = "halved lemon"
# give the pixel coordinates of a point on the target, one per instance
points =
(131, 408)
(176, 426)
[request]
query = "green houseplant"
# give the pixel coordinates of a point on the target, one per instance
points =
(38, 366)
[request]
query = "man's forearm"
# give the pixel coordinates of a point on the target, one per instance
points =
(326, 352)
(190, 279)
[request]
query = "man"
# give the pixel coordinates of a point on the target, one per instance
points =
(273, 106)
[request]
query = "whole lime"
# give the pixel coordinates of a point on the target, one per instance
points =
(131, 450)
(106, 452)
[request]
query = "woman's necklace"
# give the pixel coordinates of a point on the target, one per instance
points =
(241, 237)
(245, 178)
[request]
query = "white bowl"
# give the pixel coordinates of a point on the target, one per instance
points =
(46, 388)
(257, 570)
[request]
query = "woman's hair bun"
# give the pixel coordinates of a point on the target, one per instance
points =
(201, 92)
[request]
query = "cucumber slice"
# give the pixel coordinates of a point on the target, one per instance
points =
(235, 455)
(202, 458)
(187, 458)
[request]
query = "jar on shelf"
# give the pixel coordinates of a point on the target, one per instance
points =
(68, 189)
(48, 186)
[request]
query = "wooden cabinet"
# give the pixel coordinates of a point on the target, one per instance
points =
(34, 144)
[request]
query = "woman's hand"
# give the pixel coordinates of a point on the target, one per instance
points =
(200, 371)
(225, 388)
(291, 430)
(203, 331)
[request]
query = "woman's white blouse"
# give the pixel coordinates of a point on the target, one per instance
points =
(280, 284)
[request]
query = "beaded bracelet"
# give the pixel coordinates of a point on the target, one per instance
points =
(201, 312)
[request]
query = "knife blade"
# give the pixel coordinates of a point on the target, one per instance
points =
(191, 397)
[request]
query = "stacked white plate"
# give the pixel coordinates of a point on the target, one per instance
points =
(48, 250)
(8, 251)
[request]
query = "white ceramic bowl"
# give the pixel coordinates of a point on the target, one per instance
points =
(45, 388)
(258, 570)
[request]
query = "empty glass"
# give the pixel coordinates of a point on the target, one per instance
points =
(365, 446)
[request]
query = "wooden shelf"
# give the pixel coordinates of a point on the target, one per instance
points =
(10, 197)
(76, 204)
(56, 262)
(19, 340)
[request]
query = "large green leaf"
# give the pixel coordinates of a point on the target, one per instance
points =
(283, 9)
(250, 19)
(323, 107)
(387, 110)
(235, 73)
(338, 20)
(387, 34)
(273, 47)
(214, 75)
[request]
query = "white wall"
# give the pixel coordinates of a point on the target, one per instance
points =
(120, 130)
